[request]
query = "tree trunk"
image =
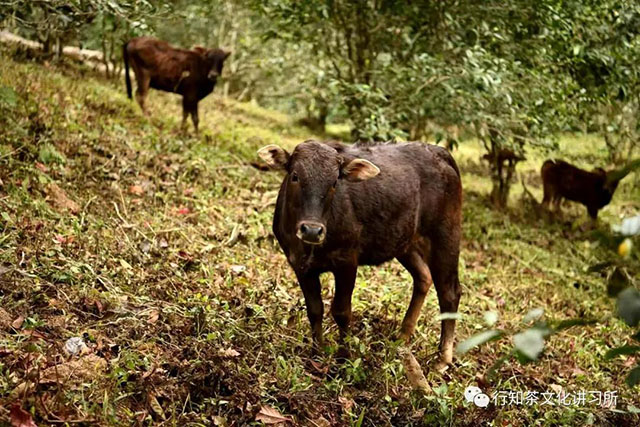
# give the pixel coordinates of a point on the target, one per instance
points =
(105, 52)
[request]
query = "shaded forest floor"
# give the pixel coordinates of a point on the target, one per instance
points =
(156, 248)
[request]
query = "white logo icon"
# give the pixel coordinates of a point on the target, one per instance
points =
(475, 395)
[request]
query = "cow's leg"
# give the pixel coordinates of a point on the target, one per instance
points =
(557, 200)
(310, 284)
(144, 79)
(547, 196)
(341, 306)
(417, 267)
(189, 108)
(194, 116)
(185, 114)
(443, 264)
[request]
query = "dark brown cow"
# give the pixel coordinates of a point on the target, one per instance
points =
(343, 206)
(504, 155)
(563, 180)
(191, 73)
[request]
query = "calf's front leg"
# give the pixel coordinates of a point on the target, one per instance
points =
(341, 305)
(310, 285)
(194, 117)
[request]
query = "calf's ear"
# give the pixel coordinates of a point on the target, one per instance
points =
(359, 170)
(275, 157)
(227, 53)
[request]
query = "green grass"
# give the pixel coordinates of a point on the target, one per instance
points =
(169, 268)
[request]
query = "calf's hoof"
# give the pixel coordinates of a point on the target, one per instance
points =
(445, 360)
(441, 366)
(404, 336)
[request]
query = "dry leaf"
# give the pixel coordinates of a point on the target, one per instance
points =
(20, 417)
(86, 367)
(136, 190)
(32, 333)
(219, 421)
(346, 403)
(237, 269)
(414, 373)
(17, 323)
(556, 388)
(60, 200)
(153, 316)
(322, 422)
(155, 405)
(41, 167)
(5, 319)
(269, 415)
(228, 353)
(323, 369)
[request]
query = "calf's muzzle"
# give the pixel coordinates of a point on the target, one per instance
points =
(311, 232)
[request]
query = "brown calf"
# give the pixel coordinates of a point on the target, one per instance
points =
(563, 180)
(156, 64)
(343, 206)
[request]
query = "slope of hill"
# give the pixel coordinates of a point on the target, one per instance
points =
(155, 247)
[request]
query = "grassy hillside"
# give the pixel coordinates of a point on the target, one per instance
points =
(156, 248)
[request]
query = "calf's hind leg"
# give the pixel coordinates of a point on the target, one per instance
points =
(143, 79)
(189, 108)
(417, 267)
(443, 264)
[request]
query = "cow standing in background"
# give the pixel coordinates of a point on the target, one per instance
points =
(592, 189)
(156, 64)
(343, 206)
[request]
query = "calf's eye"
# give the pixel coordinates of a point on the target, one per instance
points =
(294, 177)
(335, 183)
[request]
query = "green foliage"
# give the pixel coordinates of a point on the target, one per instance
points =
(633, 378)
(513, 73)
(8, 97)
(629, 306)
(49, 154)
(477, 340)
(530, 342)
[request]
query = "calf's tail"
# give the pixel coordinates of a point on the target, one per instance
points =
(127, 78)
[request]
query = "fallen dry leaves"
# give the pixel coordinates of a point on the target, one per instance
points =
(155, 405)
(59, 199)
(5, 319)
(229, 352)
(42, 167)
(270, 416)
(153, 316)
(136, 190)
(20, 418)
(17, 322)
(84, 368)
